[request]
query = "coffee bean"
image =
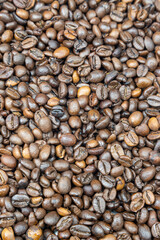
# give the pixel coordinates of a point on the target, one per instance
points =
(20, 200)
(104, 167)
(135, 118)
(80, 231)
(117, 151)
(51, 218)
(138, 43)
(99, 204)
(61, 52)
(137, 204)
(20, 228)
(148, 173)
(7, 219)
(74, 61)
(116, 16)
(144, 232)
(64, 223)
(12, 122)
(149, 197)
(68, 140)
(80, 153)
(3, 177)
(131, 139)
(9, 161)
(125, 92)
(154, 135)
(153, 101)
(107, 181)
(155, 230)
(64, 185)
(132, 53)
(101, 92)
(36, 54)
(29, 42)
(26, 135)
(34, 232)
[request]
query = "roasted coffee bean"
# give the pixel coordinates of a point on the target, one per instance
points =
(74, 61)
(8, 233)
(57, 111)
(149, 197)
(20, 200)
(20, 228)
(104, 167)
(80, 231)
(137, 204)
(9, 161)
(36, 54)
(51, 218)
(29, 42)
(131, 139)
(156, 230)
(34, 232)
(7, 219)
(99, 204)
(117, 151)
(12, 122)
(3, 177)
(154, 101)
(107, 181)
(116, 16)
(67, 140)
(64, 223)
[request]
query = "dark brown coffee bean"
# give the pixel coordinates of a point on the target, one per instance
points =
(20, 200)
(155, 230)
(144, 232)
(142, 70)
(64, 223)
(7, 219)
(80, 153)
(12, 122)
(80, 231)
(148, 173)
(137, 204)
(132, 53)
(107, 181)
(131, 139)
(68, 140)
(5, 72)
(24, 4)
(74, 61)
(138, 43)
(29, 42)
(149, 197)
(9, 161)
(154, 101)
(36, 54)
(20, 228)
(104, 167)
(101, 92)
(51, 218)
(117, 151)
(99, 204)
(116, 16)
(64, 185)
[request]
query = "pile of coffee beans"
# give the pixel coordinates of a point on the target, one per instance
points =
(80, 119)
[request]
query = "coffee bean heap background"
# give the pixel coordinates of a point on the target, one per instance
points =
(80, 120)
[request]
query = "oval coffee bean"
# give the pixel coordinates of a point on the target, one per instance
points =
(20, 200)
